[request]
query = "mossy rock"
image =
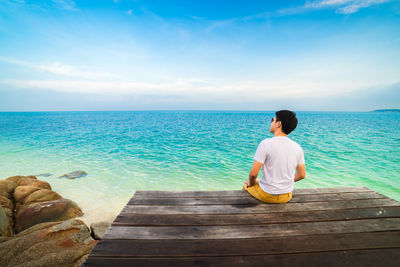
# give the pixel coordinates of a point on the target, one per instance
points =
(7, 186)
(6, 203)
(47, 211)
(40, 196)
(48, 244)
(21, 192)
(35, 183)
(6, 222)
(17, 178)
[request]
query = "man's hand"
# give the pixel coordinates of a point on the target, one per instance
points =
(300, 172)
(253, 174)
(249, 183)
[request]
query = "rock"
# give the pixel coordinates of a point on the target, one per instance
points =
(16, 179)
(46, 233)
(21, 192)
(7, 186)
(80, 261)
(47, 211)
(48, 244)
(73, 175)
(98, 229)
(40, 196)
(6, 208)
(35, 183)
(5, 194)
(3, 239)
(6, 222)
(6, 203)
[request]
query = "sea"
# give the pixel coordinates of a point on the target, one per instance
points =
(126, 151)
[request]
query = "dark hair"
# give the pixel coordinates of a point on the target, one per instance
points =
(288, 120)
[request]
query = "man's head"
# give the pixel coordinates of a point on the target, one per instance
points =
(285, 121)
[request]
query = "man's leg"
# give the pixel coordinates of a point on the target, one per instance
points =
(259, 194)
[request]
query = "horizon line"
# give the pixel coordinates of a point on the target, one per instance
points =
(174, 110)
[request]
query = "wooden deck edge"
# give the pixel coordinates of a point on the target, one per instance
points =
(180, 191)
(235, 193)
(243, 255)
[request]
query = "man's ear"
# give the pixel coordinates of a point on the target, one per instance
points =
(278, 124)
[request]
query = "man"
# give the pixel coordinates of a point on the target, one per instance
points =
(282, 161)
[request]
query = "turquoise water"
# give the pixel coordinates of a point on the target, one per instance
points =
(127, 151)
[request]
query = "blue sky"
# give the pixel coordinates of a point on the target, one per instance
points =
(218, 55)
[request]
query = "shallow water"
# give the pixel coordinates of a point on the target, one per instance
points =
(190, 150)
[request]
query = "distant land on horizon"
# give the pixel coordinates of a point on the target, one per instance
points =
(387, 110)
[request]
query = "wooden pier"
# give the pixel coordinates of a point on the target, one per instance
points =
(352, 226)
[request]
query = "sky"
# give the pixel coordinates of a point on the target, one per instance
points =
(323, 55)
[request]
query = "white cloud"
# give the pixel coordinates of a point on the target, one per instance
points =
(327, 3)
(65, 4)
(215, 24)
(61, 69)
(195, 90)
(220, 23)
(343, 6)
(311, 80)
(68, 5)
(6, 4)
(129, 12)
(340, 6)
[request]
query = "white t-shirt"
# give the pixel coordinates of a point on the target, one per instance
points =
(280, 156)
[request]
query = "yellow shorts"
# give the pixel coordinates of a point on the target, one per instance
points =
(263, 196)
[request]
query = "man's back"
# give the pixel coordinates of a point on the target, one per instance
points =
(280, 156)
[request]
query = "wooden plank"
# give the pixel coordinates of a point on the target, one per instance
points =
(251, 246)
(301, 191)
(261, 208)
(252, 231)
(135, 219)
(248, 200)
(370, 257)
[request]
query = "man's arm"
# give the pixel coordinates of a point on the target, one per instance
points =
(300, 172)
(254, 173)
